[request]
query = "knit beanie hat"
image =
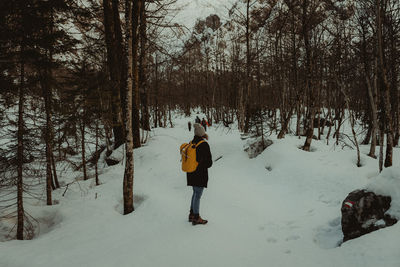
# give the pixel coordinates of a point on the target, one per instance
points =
(199, 130)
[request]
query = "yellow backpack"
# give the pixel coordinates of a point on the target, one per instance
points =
(188, 154)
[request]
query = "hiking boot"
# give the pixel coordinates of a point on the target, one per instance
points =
(191, 217)
(198, 220)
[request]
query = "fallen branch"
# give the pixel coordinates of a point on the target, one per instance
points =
(218, 158)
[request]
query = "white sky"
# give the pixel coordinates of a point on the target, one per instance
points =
(194, 9)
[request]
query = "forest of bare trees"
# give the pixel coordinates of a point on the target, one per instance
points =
(71, 68)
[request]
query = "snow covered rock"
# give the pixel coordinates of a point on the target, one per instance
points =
(363, 212)
(256, 146)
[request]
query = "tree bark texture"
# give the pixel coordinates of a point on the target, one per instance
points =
(48, 136)
(137, 6)
(384, 84)
(114, 60)
(308, 77)
(145, 121)
(83, 130)
(20, 156)
(129, 163)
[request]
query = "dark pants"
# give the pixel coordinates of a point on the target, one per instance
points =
(195, 205)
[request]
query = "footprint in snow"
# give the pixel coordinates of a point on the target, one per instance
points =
(335, 222)
(330, 235)
(292, 238)
(271, 240)
(291, 225)
(329, 202)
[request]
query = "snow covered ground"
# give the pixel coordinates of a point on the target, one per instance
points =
(279, 209)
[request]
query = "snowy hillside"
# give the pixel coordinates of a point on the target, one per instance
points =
(279, 209)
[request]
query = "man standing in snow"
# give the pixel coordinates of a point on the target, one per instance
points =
(204, 124)
(199, 178)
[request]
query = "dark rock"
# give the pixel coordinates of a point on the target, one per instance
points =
(364, 212)
(94, 158)
(111, 162)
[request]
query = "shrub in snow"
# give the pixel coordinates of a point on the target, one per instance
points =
(255, 146)
(378, 206)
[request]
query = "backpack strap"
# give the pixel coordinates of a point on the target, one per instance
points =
(202, 141)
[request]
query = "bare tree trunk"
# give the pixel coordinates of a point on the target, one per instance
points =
(114, 59)
(310, 130)
(108, 136)
(352, 121)
(137, 6)
(393, 66)
(339, 117)
(285, 125)
(105, 120)
(59, 141)
(374, 126)
(246, 104)
(49, 177)
(170, 118)
(82, 128)
(53, 163)
(164, 113)
(330, 126)
(367, 137)
(143, 69)
(372, 91)
(381, 138)
(131, 13)
(241, 109)
(308, 75)
(96, 152)
(156, 89)
(20, 156)
(49, 171)
(298, 122)
(385, 84)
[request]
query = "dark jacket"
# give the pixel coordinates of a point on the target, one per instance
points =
(203, 156)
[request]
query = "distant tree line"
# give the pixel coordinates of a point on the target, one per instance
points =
(321, 62)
